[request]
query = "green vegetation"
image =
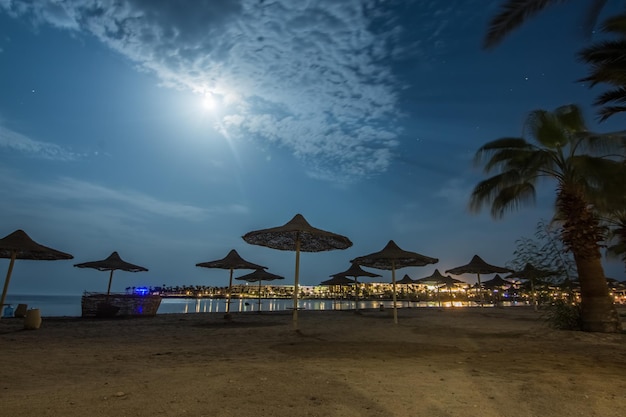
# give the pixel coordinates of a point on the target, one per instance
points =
(583, 166)
(545, 251)
(563, 315)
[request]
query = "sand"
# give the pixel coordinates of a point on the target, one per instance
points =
(435, 362)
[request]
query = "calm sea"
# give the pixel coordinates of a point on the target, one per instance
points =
(69, 305)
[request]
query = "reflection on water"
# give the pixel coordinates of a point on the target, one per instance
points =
(61, 305)
(214, 305)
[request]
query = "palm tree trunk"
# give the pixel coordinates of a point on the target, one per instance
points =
(598, 312)
(581, 234)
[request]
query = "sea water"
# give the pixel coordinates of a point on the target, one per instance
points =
(49, 305)
(69, 305)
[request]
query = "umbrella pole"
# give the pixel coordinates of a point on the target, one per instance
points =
(438, 296)
(259, 309)
(230, 286)
(109, 287)
(393, 279)
(480, 291)
(295, 286)
(6, 282)
(450, 296)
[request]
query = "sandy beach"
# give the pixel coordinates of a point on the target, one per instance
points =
(435, 362)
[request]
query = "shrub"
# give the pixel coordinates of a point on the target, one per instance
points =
(563, 316)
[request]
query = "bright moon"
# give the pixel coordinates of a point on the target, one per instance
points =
(209, 102)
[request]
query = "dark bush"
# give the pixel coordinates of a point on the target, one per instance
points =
(563, 315)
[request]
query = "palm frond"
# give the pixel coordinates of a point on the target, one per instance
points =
(608, 111)
(596, 173)
(601, 144)
(617, 95)
(617, 251)
(512, 15)
(539, 163)
(583, 163)
(502, 143)
(613, 74)
(545, 128)
(571, 118)
(507, 159)
(488, 189)
(512, 198)
(615, 24)
(486, 151)
(605, 52)
(616, 238)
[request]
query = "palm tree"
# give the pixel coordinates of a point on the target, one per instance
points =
(514, 13)
(612, 210)
(562, 149)
(616, 247)
(608, 65)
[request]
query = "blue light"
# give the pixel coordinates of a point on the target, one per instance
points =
(142, 291)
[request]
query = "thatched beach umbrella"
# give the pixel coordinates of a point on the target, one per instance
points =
(338, 281)
(297, 235)
(112, 263)
(18, 245)
(392, 257)
(478, 266)
(532, 274)
(436, 278)
(406, 280)
(355, 271)
(231, 262)
(497, 282)
(257, 276)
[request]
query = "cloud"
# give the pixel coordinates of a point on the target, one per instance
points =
(456, 192)
(314, 77)
(75, 191)
(18, 142)
(98, 201)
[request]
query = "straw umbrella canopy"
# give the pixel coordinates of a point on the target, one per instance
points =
(257, 276)
(391, 257)
(18, 245)
(297, 235)
(338, 281)
(478, 266)
(231, 262)
(406, 280)
(355, 271)
(532, 274)
(112, 263)
(437, 278)
(497, 282)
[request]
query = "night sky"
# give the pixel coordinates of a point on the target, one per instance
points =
(167, 130)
